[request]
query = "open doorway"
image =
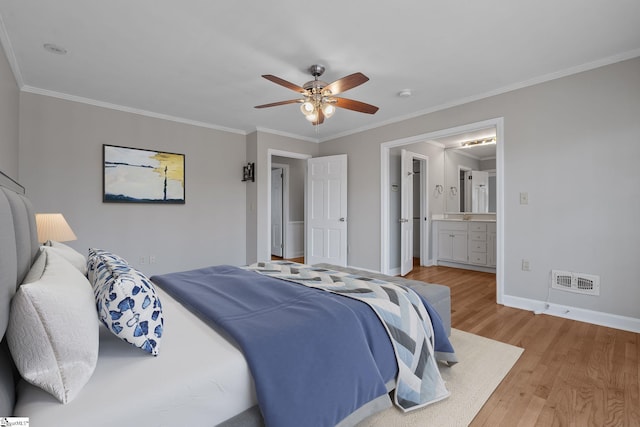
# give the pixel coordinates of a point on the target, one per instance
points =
(441, 188)
(286, 204)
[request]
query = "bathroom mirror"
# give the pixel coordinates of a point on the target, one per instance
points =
(470, 172)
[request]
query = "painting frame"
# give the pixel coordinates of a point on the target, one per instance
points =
(138, 175)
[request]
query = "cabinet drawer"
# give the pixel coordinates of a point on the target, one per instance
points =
(478, 226)
(477, 246)
(478, 235)
(452, 226)
(478, 258)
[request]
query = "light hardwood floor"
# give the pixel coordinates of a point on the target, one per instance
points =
(570, 374)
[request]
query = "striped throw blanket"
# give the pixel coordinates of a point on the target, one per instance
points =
(401, 312)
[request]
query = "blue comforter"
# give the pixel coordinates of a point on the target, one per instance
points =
(315, 357)
(403, 313)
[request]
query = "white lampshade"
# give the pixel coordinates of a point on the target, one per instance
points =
(307, 108)
(328, 110)
(53, 226)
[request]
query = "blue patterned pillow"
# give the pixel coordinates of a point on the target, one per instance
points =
(97, 256)
(126, 301)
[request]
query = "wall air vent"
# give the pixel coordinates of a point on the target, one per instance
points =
(575, 282)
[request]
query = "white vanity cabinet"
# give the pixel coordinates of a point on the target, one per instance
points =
(452, 241)
(472, 243)
(478, 243)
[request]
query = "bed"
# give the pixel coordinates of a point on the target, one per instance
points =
(200, 375)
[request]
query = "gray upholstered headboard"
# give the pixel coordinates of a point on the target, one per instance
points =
(18, 248)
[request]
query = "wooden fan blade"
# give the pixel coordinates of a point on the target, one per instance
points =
(275, 104)
(282, 82)
(346, 83)
(320, 118)
(358, 106)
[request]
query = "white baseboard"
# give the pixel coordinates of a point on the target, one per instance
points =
(574, 313)
(466, 266)
(394, 272)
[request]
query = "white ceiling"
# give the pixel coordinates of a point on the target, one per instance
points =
(200, 61)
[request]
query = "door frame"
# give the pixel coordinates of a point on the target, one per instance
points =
(385, 148)
(425, 231)
(285, 203)
(270, 153)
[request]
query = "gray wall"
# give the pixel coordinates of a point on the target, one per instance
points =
(61, 166)
(263, 143)
(9, 111)
(252, 200)
(572, 144)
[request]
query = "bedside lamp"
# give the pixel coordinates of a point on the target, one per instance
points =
(53, 226)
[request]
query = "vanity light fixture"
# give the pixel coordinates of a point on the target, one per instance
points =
(484, 141)
(248, 172)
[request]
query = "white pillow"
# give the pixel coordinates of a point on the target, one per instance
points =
(126, 300)
(67, 252)
(53, 331)
(37, 268)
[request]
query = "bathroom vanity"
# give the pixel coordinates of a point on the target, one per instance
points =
(465, 241)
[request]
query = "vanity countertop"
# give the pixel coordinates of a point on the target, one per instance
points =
(464, 220)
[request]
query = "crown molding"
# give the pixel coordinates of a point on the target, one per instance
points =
(520, 85)
(96, 103)
(9, 52)
(286, 134)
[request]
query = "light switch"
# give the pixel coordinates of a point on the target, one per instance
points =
(524, 198)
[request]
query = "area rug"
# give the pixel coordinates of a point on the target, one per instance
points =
(483, 364)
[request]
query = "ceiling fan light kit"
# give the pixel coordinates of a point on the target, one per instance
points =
(318, 97)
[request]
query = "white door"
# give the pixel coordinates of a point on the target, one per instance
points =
(326, 210)
(276, 212)
(406, 213)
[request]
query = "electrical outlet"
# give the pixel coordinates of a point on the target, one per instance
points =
(141, 260)
(152, 259)
(524, 198)
(525, 265)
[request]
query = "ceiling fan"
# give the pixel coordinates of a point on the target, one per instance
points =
(318, 97)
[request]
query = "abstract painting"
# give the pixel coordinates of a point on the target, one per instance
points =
(134, 175)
